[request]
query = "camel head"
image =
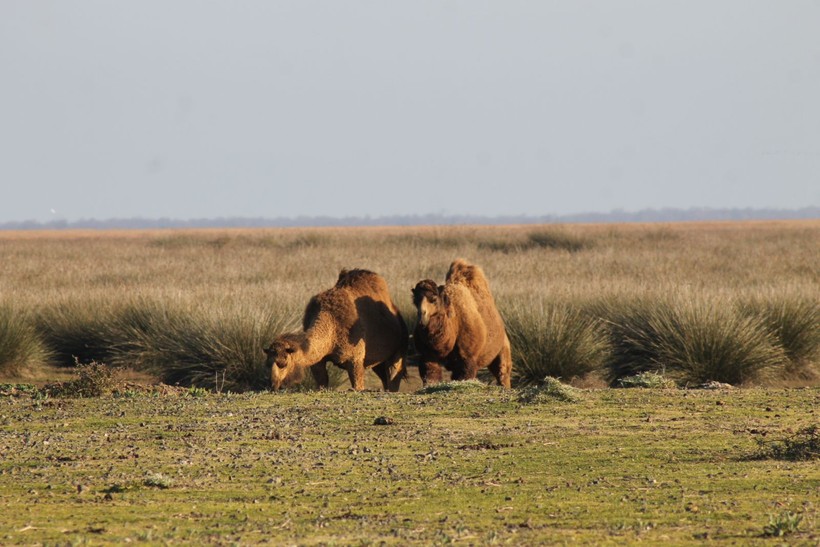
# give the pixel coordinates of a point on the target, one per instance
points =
(430, 300)
(280, 361)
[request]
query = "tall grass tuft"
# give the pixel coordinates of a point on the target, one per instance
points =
(21, 348)
(795, 323)
(557, 341)
(691, 342)
(78, 331)
(204, 348)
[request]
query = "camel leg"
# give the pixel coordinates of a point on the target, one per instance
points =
(503, 369)
(319, 372)
(470, 371)
(495, 368)
(355, 371)
(460, 369)
(391, 374)
(430, 372)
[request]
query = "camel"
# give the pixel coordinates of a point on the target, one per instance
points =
(354, 325)
(459, 327)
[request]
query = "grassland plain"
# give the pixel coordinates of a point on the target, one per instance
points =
(471, 465)
(153, 299)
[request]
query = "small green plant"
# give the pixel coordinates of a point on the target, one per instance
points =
(650, 380)
(783, 524)
(197, 392)
(158, 480)
(549, 389)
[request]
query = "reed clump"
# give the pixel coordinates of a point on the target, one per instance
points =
(21, 347)
(555, 340)
(690, 341)
(794, 322)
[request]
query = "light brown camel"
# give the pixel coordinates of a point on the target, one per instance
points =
(354, 325)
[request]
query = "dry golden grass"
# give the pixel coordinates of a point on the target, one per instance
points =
(264, 264)
(276, 271)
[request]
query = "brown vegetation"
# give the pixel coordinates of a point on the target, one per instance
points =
(353, 325)
(74, 286)
(459, 327)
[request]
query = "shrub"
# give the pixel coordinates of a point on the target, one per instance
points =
(693, 341)
(556, 341)
(802, 446)
(795, 323)
(93, 380)
(21, 348)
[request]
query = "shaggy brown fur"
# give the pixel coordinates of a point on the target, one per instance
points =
(354, 325)
(459, 327)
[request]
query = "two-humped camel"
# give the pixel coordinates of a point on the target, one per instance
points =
(354, 325)
(459, 327)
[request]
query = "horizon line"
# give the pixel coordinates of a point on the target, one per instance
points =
(667, 214)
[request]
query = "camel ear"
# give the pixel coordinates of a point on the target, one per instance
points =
(267, 351)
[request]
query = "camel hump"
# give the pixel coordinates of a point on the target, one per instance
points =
(463, 273)
(356, 276)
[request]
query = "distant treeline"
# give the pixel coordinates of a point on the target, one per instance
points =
(646, 215)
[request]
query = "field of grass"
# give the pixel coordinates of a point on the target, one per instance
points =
(733, 302)
(639, 305)
(466, 465)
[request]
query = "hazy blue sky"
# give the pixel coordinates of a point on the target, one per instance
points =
(196, 108)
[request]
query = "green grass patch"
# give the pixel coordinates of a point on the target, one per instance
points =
(649, 380)
(463, 386)
(473, 466)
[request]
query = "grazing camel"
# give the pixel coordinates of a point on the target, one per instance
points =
(354, 325)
